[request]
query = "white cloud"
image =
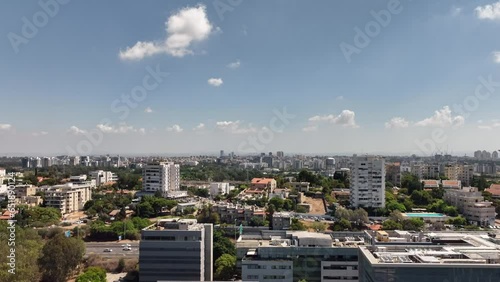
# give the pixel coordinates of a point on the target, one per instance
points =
(310, 128)
(142, 130)
(346, 118)
(456, 11)
(442, 118)
(122, 128)
(5, 126)
(175, 128)
(234, 65)
(494, 124)
(235, 127)
(215, 82)
(148, 110)
(76, 131)
(200, 126)
(496, 57)
(184, 28)
(340, 98)
(41, 133)
(397, 122)
(488, 12)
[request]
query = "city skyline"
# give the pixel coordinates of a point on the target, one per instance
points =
(328, 78)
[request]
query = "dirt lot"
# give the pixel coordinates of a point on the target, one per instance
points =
(317, 206)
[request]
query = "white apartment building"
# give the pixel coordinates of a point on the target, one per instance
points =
(163, 177)
(101, 177)
(3, 172)
(220, 188)
(68, 198)
(367, 182)
(472, 205)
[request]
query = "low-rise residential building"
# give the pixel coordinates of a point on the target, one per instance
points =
(25, 190)
(268, 184)
(430, 184)
(104, 177)
(220, 188)
(176, 250)
(69, 197)
(282, 220)
(281, 193)
(471, 204)
(300, 186)
(229, 213)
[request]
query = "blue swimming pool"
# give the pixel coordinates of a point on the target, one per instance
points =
(424, 214)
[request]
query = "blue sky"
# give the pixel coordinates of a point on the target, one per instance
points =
(58, 87)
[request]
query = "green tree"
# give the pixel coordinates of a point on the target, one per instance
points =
(93, 274)
(318, 226)
(121, 265)
(421, 198)
(277, 202)
(28, 246)
(225, 267)
(208, 216)
(256, 221)
(297, 225)
(415, 224)
(60, 256)
(391, 225)
(342, 225)
(222, 245)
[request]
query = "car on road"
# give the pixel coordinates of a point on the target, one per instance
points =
(127, 249)
(108, 250)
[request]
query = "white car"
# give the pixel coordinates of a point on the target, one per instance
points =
(127, 249)
(108, 250)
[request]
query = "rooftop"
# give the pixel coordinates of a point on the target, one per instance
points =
(444, 248)
(175, 224)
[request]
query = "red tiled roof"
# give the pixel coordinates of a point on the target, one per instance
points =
(262, 180)
(494, 189)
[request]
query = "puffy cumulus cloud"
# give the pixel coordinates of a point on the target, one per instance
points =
(76, 131)
(442, 118)
(488, 12)
(234, 65)
(175, 128)
(121, 128)
(200, 126)
(397, 122)
(5, 126)
(148, 110)
(346, 118)
(187, 26)
(235, 127)
(215, 82)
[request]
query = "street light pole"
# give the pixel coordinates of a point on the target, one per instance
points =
(235, 229)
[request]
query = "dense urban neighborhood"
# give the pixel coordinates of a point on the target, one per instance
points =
(140, 215)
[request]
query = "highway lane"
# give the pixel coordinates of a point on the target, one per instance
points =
(98, 248)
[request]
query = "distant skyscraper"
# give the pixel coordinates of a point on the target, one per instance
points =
(494, 155)
(280, 154)
(367, 182)
(221, 153)
(477, 154)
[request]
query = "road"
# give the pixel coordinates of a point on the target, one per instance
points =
(116, 247)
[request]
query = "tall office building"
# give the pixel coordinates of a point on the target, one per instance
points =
(176, 250)
(367, 182)
(280, 154)
(163, 177)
